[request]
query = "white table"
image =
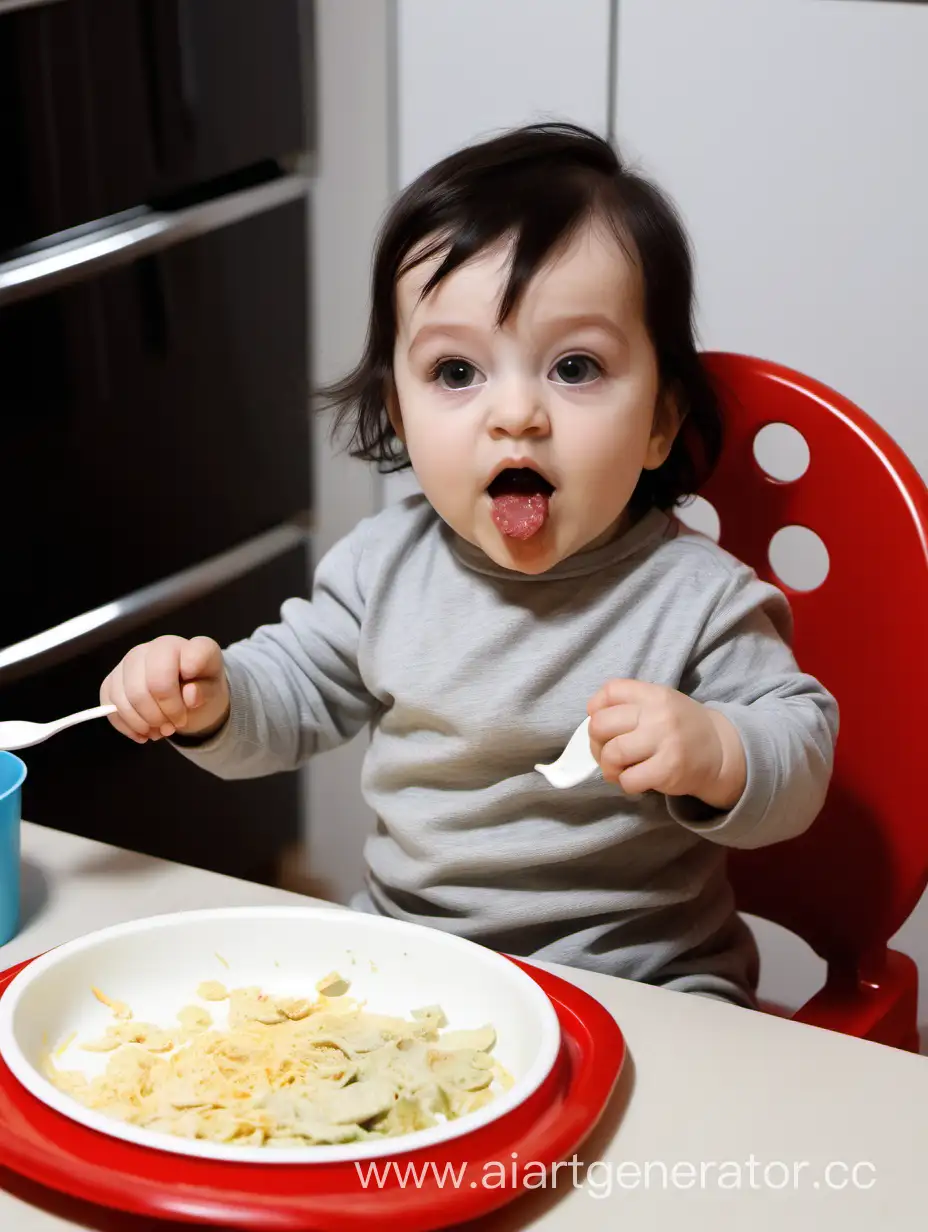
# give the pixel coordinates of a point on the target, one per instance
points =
(706, 1084)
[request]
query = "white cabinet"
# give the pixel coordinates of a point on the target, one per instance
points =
(793, 135)
(467, 68)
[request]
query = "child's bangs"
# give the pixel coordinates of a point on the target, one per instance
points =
(501, 212)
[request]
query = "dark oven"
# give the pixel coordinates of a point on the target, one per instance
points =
(154, 406)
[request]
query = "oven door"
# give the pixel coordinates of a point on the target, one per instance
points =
(226, 82)
(155, 400)
(94, 782)
(154, 428)
(107, 105)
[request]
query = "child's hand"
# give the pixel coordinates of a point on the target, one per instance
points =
(169, 685)
(647, 737)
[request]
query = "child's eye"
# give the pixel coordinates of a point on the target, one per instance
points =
(576, 370)
(456, 374)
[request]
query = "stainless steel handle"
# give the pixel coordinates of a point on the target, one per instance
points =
(72, 637)
(125, 238)
(10, 6)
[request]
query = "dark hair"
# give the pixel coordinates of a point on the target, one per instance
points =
(538, 184)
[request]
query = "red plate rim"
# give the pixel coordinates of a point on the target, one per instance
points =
(47, 1147)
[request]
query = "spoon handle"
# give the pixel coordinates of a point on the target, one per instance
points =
(96, 712)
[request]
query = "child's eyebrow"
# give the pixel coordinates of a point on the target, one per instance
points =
(551, 327)
(444, 329)
(584, 320)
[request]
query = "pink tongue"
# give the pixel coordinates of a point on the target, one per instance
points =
(520, 516)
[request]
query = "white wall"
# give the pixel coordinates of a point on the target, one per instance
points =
(792, 134)
(468, 68)
(350, 192)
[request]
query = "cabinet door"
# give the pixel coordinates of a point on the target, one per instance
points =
(94, 782)
(107, 105)
(208, 391)
(155, 414)
(793, 136)
(46, 181)
(225, 78)
(77, 115)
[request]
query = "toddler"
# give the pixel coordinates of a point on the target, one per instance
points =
(531, 355)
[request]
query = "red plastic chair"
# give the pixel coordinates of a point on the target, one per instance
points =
(850, 882)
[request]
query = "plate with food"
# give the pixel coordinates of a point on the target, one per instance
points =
(278, 1035)
(455, 1180)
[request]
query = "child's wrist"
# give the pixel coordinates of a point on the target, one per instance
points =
(212, 729)
(726, 786)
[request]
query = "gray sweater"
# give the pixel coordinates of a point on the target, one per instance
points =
(468, 674)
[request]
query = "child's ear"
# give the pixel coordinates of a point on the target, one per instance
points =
(392, 403)
(664, 429)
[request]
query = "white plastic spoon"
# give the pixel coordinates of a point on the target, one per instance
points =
(575, 764)
(20, 735)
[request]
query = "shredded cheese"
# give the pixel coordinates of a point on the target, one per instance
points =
(288, 1071)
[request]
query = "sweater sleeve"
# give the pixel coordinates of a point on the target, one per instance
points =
(743, 667)
(296, 687)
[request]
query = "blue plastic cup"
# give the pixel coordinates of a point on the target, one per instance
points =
(12, 777)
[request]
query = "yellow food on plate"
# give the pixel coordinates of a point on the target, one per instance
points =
(288, 1071)
(118, 1008)
(212, 990)
(193, 1019)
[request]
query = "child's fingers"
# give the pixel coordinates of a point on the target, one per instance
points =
(125, 730)
(162, 679)
(620, 692)
(666, 770)
(200, 658)
(643, 776)
(614, 721)
(136, 681)
(107, 699)
(618, 755)
(199, 692)
(126, 719)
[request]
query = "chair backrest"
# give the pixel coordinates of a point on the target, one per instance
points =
(851, 881)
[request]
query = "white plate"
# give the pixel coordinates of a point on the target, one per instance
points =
(155, 966)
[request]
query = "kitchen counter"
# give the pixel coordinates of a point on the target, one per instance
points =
(722, 1119)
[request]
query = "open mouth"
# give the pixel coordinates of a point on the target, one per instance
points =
(520, 501)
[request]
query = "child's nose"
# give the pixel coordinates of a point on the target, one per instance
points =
(518, 410)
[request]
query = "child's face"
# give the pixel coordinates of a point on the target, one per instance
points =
(568, 386)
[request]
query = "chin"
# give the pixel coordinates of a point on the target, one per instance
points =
(531, 556)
